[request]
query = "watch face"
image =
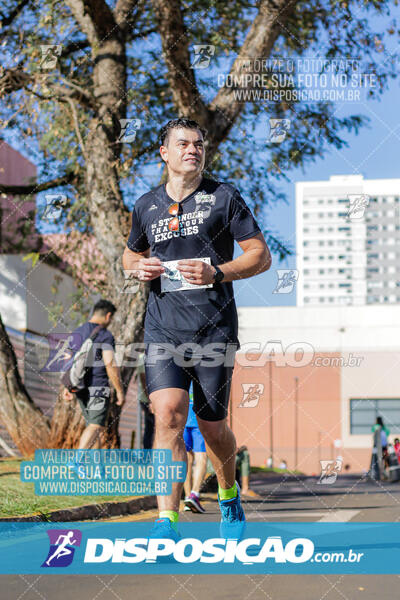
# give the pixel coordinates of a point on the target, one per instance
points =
(218, 277)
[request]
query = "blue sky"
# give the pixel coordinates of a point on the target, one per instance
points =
(373, 153)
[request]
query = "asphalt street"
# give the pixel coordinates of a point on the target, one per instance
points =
(351, 498)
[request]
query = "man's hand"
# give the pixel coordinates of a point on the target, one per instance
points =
(120, 398)
(67, 395)
(147, 269)
(196, 271)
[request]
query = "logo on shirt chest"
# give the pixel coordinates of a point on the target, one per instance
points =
(204, 203)
(189, 221)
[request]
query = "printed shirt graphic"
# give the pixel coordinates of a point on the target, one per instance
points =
(211, 217)
(96, 375)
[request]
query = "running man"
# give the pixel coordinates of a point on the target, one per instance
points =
(62, 550)
(193, 221)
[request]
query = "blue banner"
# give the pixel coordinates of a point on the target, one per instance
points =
(103, 472)
(292, 548)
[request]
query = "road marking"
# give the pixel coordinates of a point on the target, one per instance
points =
(339, 516)
(336, 516)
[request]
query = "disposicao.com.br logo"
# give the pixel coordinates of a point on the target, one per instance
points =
(128, 547)
(213, 550)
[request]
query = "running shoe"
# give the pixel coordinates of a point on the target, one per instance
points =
(233, 521)
(193, 503)
(186, 508)
(162, 529)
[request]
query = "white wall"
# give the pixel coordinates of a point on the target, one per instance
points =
(13, 291)
(26, 295)
(328, 329)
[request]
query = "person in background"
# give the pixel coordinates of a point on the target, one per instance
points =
(145, 405)
(384, 433)
(283, 464)
(243, 464)
(384, 438)
(197, 461)
(397, 448)
(94, 398)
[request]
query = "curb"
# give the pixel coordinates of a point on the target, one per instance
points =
(91, 511)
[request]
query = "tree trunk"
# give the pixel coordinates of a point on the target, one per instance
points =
(24, 421)
(67, 424)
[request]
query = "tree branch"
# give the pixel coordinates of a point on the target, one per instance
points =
(77, 131)
(34, 188)
(73, 47)
(7, 21)
(122, 13)
(15, 79)
(266, 28)
(185, 94)
(95, 18)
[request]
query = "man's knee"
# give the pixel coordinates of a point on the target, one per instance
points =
(169, 419)
(213, 431)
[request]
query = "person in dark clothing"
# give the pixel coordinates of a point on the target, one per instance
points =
(94, 398)
(182, 242)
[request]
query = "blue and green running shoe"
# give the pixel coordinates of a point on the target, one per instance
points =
(233, 521)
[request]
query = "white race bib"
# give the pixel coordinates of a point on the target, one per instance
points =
(173, 281)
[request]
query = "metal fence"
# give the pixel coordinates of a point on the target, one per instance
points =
(32, 351)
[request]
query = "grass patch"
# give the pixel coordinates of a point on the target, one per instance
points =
(18, 498)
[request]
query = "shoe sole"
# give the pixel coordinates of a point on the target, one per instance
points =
(193, 507)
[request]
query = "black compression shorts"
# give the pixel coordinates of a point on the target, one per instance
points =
(211, 382)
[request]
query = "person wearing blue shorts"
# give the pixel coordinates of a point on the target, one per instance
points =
(197, 461)
(182, 242)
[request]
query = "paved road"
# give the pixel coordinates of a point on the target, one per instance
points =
(349, 499)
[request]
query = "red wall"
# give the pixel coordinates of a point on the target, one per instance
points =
(318, 412)
(15, 212)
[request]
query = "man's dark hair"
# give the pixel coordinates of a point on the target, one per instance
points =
(175, 123)
(104, 307)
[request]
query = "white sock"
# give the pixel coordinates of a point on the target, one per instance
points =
(195, 493)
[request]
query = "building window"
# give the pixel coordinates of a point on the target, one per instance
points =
(363, 413)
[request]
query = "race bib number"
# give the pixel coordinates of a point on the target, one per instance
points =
(173, 281)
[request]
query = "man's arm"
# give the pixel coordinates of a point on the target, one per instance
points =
(114, 375)
(144, 267)
(256, 258)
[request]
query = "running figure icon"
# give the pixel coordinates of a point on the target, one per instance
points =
(62, 549)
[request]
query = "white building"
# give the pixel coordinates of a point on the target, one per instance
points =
(348, 241)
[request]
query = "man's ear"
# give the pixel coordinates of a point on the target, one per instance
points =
(163, 152)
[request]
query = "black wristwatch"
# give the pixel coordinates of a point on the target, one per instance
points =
(218, 275)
